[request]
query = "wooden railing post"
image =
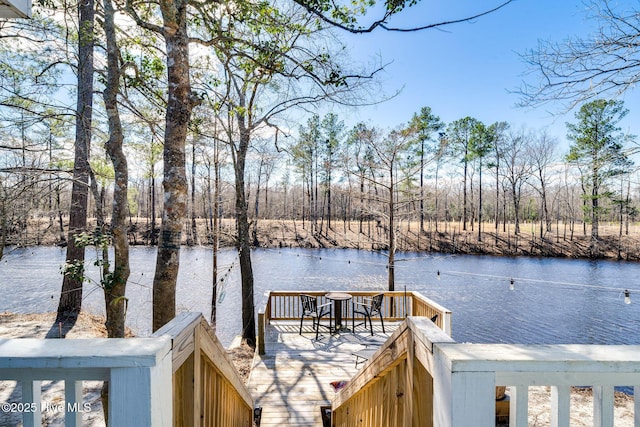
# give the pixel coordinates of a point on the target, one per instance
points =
(446, 323)
(264, 317)
(462, 399)
(207, 388)
(519, 405)
(198, 385)
(261, 332)
(73, 401)
(139, 396)
(473, 399)
(603, 406)
(560, 406)
(31, 392)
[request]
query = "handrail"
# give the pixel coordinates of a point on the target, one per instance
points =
(180, 376)
(482, 366)
(420, 376)
(392, 387)
(138, 371)
(207, 389)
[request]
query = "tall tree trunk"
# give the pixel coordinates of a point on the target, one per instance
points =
(61, 238)
(545, 209)
(244, 247)
(627, 204)
(329, 205)
(594, 246)
(152, 198)
(314, 223)
(464, 187)
(595, 214)
(621, 219)
(115, 289)
(392, 232)
(422, 186)
(504, 211)
(497, 214)
(256, 206)
(267, 212)
(3, 225)
(194, 227)
(436, 193)
(71, 294)
(516, 209)
(361, 220)
(178, 113)
(215, 231)
(480, 204)
(208, 211)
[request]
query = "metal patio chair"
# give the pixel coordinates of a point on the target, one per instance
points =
(369, 307)
(311, 308)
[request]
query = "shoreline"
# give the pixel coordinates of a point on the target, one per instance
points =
(444, 237)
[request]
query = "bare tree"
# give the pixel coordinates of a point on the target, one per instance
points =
(266, 159)
(261, 84)
(348, 18)
(393, 169)
(516, 169)
(580, 69)
(358, 160)
(541, 150)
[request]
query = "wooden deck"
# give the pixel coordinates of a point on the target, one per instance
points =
(293, 379)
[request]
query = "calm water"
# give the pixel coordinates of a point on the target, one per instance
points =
(554, 301)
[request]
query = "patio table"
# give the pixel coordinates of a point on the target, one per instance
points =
(337, 299)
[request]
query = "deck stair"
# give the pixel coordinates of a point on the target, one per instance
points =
(292, 381)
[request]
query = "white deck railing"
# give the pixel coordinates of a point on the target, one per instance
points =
(468, 374)
(438, 382)
(181, 376)
(138, 370)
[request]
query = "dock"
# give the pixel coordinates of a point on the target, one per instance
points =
(183, 376)
(292, 380)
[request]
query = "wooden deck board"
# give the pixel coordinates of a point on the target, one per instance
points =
(293, 379)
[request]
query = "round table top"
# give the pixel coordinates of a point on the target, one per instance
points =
(338, 296)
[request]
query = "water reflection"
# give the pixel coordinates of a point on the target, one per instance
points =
(554, 301)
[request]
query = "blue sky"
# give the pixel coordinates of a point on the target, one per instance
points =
(469, 69)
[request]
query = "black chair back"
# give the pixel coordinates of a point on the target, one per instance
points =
(376, 304)
(309, 304)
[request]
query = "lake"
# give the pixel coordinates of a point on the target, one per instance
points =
(554, 300)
